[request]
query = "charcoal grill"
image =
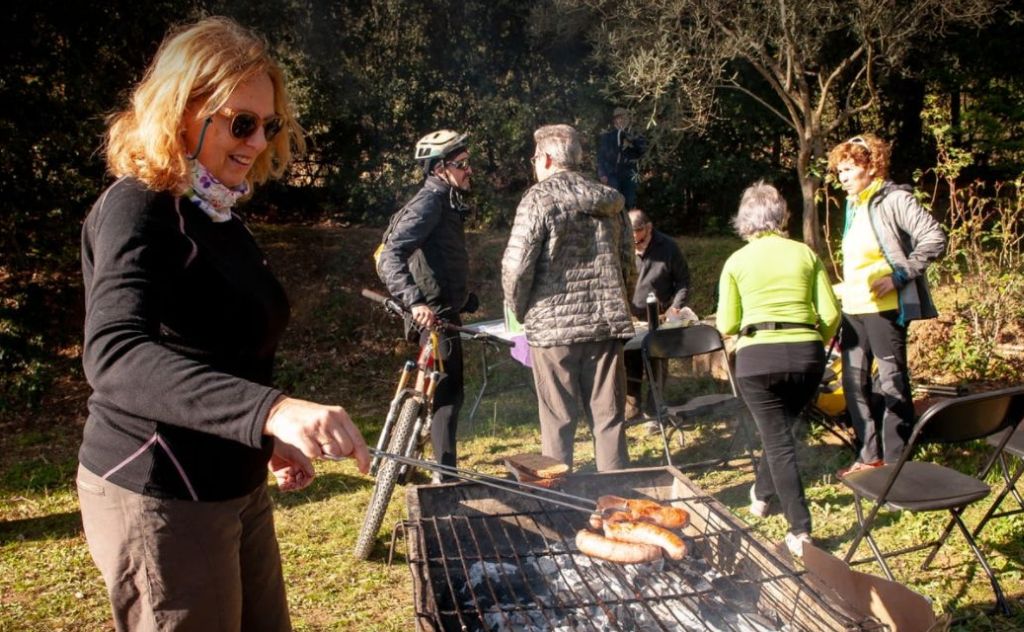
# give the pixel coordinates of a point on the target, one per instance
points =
(485, 559)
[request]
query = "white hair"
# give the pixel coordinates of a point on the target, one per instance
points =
(762, 210)
(561, 143)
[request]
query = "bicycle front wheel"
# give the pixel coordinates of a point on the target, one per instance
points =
(387, 475)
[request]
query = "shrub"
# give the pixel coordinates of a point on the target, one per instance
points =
(980, 282)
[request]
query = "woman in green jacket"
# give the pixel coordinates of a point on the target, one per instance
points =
(775, 294)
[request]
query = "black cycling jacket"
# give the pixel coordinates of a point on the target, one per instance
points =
(424, 259)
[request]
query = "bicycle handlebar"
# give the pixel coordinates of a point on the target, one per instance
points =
(399, 309)
(389, 304)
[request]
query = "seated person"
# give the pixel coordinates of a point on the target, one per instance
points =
(662, 271)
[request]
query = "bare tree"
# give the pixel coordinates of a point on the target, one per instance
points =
(814, 61)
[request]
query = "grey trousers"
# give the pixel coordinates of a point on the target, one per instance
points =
(587, 378)
(183, 565)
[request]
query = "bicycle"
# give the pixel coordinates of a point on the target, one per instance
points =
(407, 426)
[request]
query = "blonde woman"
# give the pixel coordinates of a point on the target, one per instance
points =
(888, 242)
(183, 318)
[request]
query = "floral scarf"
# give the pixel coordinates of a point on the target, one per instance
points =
(211, 195)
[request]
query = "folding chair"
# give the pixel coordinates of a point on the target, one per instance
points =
(1014, 446)
(921, 486)
(684, 343)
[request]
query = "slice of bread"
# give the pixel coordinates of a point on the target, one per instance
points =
(536, 465)
(523, 477)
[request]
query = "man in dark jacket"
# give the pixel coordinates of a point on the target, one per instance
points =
(619, 149)
(424, 263)
(567, 274)
(661, 270)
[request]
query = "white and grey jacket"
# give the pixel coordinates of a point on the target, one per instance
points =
(568, 270)
(910, 239)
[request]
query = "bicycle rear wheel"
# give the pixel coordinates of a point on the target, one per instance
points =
(387, 476)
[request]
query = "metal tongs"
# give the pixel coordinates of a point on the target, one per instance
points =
(536, 492)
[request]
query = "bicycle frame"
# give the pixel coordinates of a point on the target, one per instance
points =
(407, 425)
(423, 389)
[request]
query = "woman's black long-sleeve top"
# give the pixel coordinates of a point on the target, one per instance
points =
(183, 318)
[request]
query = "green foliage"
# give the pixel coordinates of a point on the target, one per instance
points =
(705, 257)
(25, 374)
(370, 78)
(65, 67)
(812, 66)
(983, 267)
(692, 182)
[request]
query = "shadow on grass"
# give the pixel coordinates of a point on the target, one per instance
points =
(391, 545)
(59, 526)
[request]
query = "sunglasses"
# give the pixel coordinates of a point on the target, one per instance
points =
(244, 123)
(459, 164)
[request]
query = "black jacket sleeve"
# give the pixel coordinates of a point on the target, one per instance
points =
(680, 278)
(411, 229)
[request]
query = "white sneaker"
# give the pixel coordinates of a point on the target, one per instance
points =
(795, 543)
(757, 507)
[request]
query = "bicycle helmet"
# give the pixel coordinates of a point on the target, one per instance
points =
(439, 144)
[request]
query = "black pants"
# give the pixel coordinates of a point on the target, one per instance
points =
(635, 377)
(448, 400)
(878, 339)
(775, 401)
(624, 181)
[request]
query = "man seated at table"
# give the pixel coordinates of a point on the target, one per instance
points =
(661, 270)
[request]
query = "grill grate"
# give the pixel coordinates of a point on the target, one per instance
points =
(483, 559)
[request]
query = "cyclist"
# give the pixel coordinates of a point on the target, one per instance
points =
(424, 263)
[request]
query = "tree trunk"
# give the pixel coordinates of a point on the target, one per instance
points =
(809, 184)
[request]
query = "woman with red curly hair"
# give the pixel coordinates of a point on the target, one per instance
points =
(888, 242)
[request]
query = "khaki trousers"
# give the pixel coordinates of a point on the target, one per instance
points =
(587, 377)
(183, 565)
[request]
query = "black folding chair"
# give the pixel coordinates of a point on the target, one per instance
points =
(1015, 447)
(685, 343)
(923, 486)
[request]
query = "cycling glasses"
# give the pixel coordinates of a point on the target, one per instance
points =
(459, 164)
(244, 123)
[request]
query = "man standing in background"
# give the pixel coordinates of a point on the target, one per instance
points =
(661, 270)
(567, 274)
(618, 152)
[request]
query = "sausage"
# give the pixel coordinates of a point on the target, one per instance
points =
(641, 510)
(667, 517)
(611, 502)
(645, 533)
(596, 545)
(614, 515)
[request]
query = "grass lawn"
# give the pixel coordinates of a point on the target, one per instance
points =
(341, 350)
